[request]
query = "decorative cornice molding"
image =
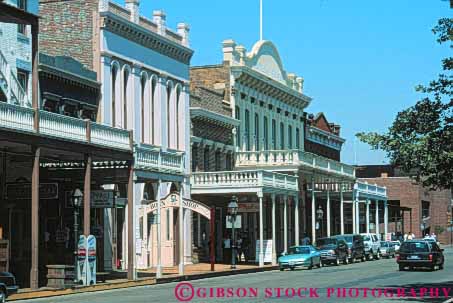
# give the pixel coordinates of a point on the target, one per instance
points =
(144, 37)
(201, 113)
(320, 136)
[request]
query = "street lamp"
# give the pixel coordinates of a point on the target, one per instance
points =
(76, 204)
(320, 216)
(233, 210)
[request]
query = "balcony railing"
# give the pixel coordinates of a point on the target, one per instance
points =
(293, 159)
(243, 179)
(371, 189)
(151, 158)
(21, 118)
(10, 85)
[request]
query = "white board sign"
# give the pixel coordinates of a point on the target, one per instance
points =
(237, 223)
(267, 247)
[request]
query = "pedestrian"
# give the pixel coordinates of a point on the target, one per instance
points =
(413, 235)
(433, 236)
(306, 240)
(239, 248)
(405, 237)
(409, 237)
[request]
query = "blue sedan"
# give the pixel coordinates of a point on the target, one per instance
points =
(300, 256)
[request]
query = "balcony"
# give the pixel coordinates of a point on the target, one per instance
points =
(153, 159)
(22, 119)
(370, 190)
(293, 160)
(247, 181)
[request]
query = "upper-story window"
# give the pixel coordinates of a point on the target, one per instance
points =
(257, 132)
(274, 135)
(217, 160)
(297, 138)
(237, 115)
(247, 129)
(22, 77)
(22, 4)
(125, 97)
(194, 158)
(206, 159)
(290, 137)
(266, 134)
(282, 136)
(114, 101)
(228, 162)
(425, 209)
(143, 96)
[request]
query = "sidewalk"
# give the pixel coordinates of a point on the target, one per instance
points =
(146, 277)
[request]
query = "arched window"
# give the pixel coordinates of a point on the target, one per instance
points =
(113, 93)
(143, 100)
(169, 91)
(206, 159)
(274, 135)
(297, 138)
(290, 137)
(237, 115)
(282, 136)
(125, 96)
(152, 107)
(247, 129)
(257, 132)
(178, 119)
(266, 134)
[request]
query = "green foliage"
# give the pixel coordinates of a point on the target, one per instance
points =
(420, 139)
(439, 229)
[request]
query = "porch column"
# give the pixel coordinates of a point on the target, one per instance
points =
(181, 230)
(285, 223)
(313, 208)
(328, 210)
(341, 209)
(367, 216)
(198, 230)
(296, 218)
(34, 274)
(377, 218)
(386, 218)
(131, 274)
(353, 213)
(261, 255)
(87, 196)
(357, 213)
(274, 238)
(159, 231)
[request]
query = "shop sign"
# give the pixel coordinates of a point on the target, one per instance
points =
(267, 247)
(102, 199)
(172, 201)
(237, 222)
(22, 191)
(248, 207)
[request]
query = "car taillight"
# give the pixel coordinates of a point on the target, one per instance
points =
(349, 251)
(398, 258)
(430, 257)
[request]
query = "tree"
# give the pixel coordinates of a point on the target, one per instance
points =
(420, 139)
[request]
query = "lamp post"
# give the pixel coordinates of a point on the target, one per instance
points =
(320, 216)
(233, 210)
(76, 197)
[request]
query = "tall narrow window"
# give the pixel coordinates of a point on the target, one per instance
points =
(282, 136)
(257, 132)
(217, 161)
(151, 120)
(266, 134)
(247, 130)
(113, 85)
(22, 4)
(290, 137)
(22, 77)
(142, 96)
(229, 162)
(297, 138)
(274, 135)
(206, 159)
(125, 89)
(178, 100)
(237, 115)
(194, 157)
(168, 225)
(168, 114)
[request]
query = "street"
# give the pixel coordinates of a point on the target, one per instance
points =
(345, 283)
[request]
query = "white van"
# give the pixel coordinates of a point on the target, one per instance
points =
(372, 246)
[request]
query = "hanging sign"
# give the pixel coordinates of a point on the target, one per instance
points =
(173, 201)
(21, 191)
(248, 208)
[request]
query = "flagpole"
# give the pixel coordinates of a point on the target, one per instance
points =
(261, 20)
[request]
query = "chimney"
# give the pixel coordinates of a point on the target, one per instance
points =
(133, 7)
(160, 18)
(241, 51)
(183, 31)
(228, 50)
(292, 80)
(300, 82)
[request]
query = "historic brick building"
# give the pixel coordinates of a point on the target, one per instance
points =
(412, 207)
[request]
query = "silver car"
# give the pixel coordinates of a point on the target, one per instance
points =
(387, 249)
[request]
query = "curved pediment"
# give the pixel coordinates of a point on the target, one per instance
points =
(265, 59)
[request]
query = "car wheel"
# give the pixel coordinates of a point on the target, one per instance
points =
(337, 262)
(363, 258)
(433, 268)
(311, 265)
(378, 255)
(401, 268)
(2, 296)
(346, 261)
(320, 264)
(441, 266)
(282, 269)
(370, 256)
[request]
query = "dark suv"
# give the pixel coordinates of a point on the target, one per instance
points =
(333, 250)
(356, 247)
(7, 286)
(420, 253)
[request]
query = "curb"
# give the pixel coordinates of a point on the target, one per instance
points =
(128, 284)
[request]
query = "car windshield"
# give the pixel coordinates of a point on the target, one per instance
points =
(348, 239)
(409, 247)
(366, 238)
(298, 250)
(384, 244)
(429, 239)
(326, 242)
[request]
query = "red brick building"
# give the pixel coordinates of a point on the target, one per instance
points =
(412, 207)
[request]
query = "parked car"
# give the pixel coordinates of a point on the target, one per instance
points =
(387, 249)
(420, 253)
(356, 247)
(300, 256)
(333, 250)
(372, 246)
(396, 245)
(7, 286)
(432, 240)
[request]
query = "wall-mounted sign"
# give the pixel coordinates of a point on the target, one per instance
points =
(237, 222)
(99, 199)
(248, 207)
(22, 191)
(172, 201)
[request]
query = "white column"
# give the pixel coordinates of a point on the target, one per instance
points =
(106, 96)
(386, 218)
(313, 209)
(285, 223)
(198, 230)
(181, 231)
(261, 255)
(357, 214)
(274, 238)
(296, 218)
(367, 215)
(353, 213)
(341, 209)
(377, 217)
(173, 117)
(135, 114)
(328, 210)
(159, 230)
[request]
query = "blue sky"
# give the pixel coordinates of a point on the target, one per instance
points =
(360, 59)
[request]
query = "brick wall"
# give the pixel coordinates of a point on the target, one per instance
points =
(66, 29)
(410, 194)
(321, 150)
(215, 77)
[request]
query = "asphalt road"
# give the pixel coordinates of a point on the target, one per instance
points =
(359, 282)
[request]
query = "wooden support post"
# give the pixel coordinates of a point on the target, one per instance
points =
(212, 240)
(34, 283)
